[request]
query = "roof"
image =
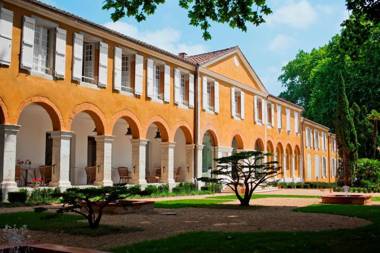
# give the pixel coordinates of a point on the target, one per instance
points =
(286, 102)
(311, 122)
(209, 56)
(139, 42)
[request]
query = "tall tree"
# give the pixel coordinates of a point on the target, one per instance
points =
(237, 14)
(374, 116)
(345, 132)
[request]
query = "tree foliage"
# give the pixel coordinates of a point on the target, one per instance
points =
(201, 13)
(243, 171)
(90, 202)
(311, 79)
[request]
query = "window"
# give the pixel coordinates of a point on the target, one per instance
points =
(42, 54)
(237, 103)
(259, 109)
(334, 145)
(210, 95)
(317, 166)
(279, 116)
(269, 114)
(184, 89)
(288, 127)
(308, 137)
(125, 73)
(296, 123)
(333, 167)
(316, 139)
(157, 89)
(324, 167)
(88, 63)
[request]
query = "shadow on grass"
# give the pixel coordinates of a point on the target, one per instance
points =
(60, 223)
(199, 203)
(363, 239)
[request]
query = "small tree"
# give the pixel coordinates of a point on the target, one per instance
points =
(345, 133)
(375, 117)
(90, 202)
(244, 170)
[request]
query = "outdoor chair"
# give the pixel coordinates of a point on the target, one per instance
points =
(18, 175)
(91, 174)
(46, 173)
(123, 174)
(156, 177)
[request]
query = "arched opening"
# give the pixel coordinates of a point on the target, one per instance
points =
(208, 152)
(2, 117)
(279, 157)
(124, 131)
(86, 125)
(259, 145)
(297, 158)
(270, 150)
(34, 152)
(237, 144)
(183, 169)
(156, 135)
(289, 161)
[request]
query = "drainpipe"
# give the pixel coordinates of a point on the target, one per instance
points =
(196, 119)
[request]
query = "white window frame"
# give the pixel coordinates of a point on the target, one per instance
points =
(126, 85)
(157, 72)
(88, 72)
(269, 120)
(210, 88)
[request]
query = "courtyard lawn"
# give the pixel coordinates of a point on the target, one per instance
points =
(58, 223)
(365, 239)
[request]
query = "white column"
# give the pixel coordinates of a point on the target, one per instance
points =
(285, 166)
(167, 163)
(293, 167)
(301, 167)
(189, 163)
(139, 161)
(198, 174)
(8, 141)
(104, 160)
(61, 159)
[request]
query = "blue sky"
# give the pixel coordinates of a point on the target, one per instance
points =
(293, 25)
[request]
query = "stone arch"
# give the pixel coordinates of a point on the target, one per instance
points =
(162, 126)
(132, 121)
(95, 113)
(186, 131)
(280, 157)
(259, 145)
(3, 112)
(270, 150)
(297, 157)
(213, 136)
(289, 159)
(239, 141)
(50, 108)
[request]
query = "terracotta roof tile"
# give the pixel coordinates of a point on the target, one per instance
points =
(209, 56)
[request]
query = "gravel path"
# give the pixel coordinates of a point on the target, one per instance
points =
(274, 214)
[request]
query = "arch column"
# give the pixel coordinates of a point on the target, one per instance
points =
(199, 157)
(300, 166)
(139, 161)
(189, 162)
(293, 167)
(104, 160)
(167, 163)
(8, 142)
(61, 159)
(285, 166)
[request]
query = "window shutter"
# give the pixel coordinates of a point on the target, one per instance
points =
(177, 84)
(242, 104)
(296, 123)
(117, 68)
(233, 106)
(103, 64)
(272, 111)
(204, 94)
(6, 28)
(167, 84)
(191, 90)
(27, 43)
(264, 111)
(287, 119)
(78, 57)
(256, 109)
(279, 116)
(139, 70)
(216, 97)
(149, 78)
(60, 53)
(307, 137)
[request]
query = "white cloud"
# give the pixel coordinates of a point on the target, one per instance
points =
(281, 42)
(297, 14)
(166, 38)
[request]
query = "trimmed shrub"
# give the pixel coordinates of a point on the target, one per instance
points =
(367, 173)
(43, 196)
(17, 197)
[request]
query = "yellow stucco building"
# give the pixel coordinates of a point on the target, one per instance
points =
(96, 107)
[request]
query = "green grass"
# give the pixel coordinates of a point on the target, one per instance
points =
(262, 196)
(375, 198)
(365, 239)
(57, 223)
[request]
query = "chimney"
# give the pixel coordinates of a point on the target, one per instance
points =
(182, 55)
